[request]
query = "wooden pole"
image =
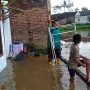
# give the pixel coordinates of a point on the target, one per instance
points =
(49, 12)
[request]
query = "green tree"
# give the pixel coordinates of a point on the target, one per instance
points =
(69, 4)
(84, 8)
(76, 9)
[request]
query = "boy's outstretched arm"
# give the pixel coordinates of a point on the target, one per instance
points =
(86, 60)
(80, 63)
(83, 57)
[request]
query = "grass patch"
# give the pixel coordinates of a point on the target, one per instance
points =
(79, 27)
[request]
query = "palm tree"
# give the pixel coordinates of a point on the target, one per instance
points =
(59, 7)
(69, 6)
(64, 5)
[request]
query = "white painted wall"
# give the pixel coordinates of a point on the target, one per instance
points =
(83, 19)
(77, 19)
(6, 41)
(7, 33)
(3, 63)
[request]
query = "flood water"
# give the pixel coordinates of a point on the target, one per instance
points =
(35, 74)
(84, 45)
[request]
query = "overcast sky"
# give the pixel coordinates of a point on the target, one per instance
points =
(77, 3)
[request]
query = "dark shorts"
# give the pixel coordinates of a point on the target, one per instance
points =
(71, 72)
(57, 52)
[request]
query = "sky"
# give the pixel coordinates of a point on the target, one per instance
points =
(77, 3)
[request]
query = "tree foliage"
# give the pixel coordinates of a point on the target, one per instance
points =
(76, 9)
(64, 5)
(84, 8)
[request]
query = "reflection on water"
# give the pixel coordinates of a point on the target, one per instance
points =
(61, 77)
(84, 45)
(57, 74)
(62, 82)
(84, 33)
(71, 86)
(35, 74)
(6, 78)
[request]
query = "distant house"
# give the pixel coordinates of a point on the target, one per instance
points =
(65, 18)
(82, 17)
(73, 17)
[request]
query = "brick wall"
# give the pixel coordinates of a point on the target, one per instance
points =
(30, 26)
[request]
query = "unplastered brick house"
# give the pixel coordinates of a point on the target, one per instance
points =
(30, 24)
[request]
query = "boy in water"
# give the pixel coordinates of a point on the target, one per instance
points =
(55, 31)
(74, 59)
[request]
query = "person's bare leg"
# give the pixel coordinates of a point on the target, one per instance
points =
(71, 79)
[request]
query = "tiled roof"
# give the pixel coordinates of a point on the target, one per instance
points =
(69, 14)
(63, 15)
(85, 13)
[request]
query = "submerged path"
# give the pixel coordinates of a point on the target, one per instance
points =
(35, 74)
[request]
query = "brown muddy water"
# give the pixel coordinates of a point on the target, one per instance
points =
(35, 74)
